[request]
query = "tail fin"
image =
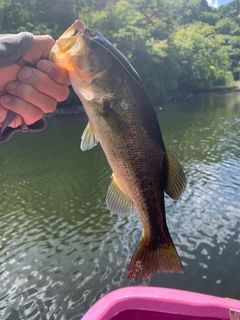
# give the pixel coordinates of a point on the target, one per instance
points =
(147, 260)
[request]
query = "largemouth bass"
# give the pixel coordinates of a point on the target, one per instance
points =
(122, 119)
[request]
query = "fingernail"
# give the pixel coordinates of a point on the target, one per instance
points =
(12, 85)
(25, 73)
(44, 66)
(6, 99)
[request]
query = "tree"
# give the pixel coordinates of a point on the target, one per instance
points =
(140, 30)
(182, 45)
(226, 26)
(204, 61)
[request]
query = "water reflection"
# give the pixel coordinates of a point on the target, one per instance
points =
(61, 250)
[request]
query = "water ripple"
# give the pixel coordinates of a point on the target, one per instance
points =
(61, 250)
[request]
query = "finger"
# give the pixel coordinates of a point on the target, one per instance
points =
(7, 74)
(43, 83)
(3, 114)
(32, 96)
(40, 48)
(56, 73)
(27, 111)
(17, 121)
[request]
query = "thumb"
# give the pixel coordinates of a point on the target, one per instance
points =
(39, 49)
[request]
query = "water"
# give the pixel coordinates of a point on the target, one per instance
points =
(60, 248)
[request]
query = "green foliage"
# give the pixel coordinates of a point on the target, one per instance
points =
(204, 61)
(49, 16)
(226, 26)
(211, 17)
(176, 46)
(140, 30)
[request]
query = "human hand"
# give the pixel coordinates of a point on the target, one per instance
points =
(30, 92)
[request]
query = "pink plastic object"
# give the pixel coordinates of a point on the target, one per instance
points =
(161, 303)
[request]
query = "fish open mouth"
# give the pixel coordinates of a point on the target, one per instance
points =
(75, 29)
(69, 37)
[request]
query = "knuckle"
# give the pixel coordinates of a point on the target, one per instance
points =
(48, 104)
(41, 79)
(50, 43)
(23, 89)
(49, 39)
(51, 106)
(31, 118)
(12, 86)
(63, 94)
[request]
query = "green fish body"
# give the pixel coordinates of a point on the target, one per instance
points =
(122, 119)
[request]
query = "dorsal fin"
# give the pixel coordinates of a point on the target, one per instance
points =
(176, 180)
(117, 201)
(88, 139)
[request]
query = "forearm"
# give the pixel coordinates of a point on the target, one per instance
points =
(13, 47)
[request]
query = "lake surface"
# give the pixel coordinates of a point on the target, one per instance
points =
(61, 249)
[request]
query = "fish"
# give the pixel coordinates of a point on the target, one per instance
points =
(123, 121)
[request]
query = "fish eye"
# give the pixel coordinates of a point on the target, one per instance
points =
(89, 32)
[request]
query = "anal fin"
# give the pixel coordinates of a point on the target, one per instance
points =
(88, 139)
(117, 201)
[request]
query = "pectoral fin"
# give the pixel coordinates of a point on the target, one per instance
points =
(176, 181)
(117, 201)
(88, 138)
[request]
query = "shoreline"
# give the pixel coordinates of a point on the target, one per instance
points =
(77, 110)
(211, 92)
(66, 112)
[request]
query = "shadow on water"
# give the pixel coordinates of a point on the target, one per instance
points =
(61, 250)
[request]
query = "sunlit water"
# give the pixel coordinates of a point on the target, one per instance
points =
(61, 249)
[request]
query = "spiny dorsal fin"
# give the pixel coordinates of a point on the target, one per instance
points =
(88, 138)
(176, 181)
(117, 201)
